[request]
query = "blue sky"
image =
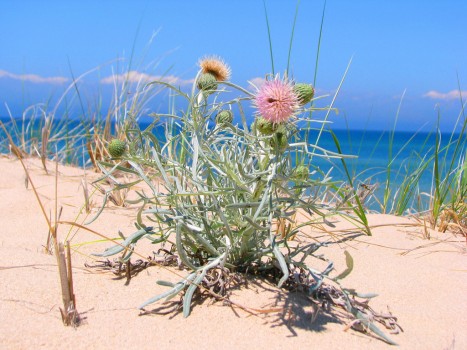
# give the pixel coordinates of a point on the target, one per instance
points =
(419, 47)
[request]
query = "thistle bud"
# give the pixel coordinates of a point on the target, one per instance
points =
(225, 116)
(279, 140)
(304, 92)
(207, 82)
(301, 172)
(116, 148)
(265, 126)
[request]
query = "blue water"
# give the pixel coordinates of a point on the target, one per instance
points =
(378, 162)
(374, 156)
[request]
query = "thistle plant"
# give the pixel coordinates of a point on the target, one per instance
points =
(229, 189)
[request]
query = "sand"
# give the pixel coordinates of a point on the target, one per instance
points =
(425, 287)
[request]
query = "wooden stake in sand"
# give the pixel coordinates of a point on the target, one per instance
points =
(69, 314)
(62, 270)
(70, 274)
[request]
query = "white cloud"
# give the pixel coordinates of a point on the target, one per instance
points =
(33, 78)
(256, 82)
(451, 95)
(138, 77)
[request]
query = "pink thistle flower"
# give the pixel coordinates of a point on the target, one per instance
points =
(276, 100)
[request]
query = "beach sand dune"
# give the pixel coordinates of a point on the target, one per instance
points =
(425, 288)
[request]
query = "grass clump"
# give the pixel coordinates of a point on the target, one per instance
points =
(424, 176)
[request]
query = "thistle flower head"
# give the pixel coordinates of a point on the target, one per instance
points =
(276, 100)
(215, 66)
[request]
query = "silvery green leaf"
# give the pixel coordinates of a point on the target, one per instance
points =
(118, 248)
(181, 250)
(282, 264)
(121, 235)
(254, 224)
(318, 279)
(104, 202)
(371, 326)
(200, 239)
(328, 269)
(360, 295)
(242, 205)
(158, 211)
(349, 263)
(180, 286)
(189, 293)
(125, 258)
(177, 288)
(143, 175)
(165, 283)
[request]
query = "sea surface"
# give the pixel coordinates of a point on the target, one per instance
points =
(373, 159)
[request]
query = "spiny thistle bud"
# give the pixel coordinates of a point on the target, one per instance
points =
(225, 116)
(265, 126)
(279, 140)
(304, 92)
(301, 172)
(207, 82)
(116, 148)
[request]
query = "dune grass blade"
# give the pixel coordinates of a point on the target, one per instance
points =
(315, 75)
(319, 44)
(457, 148)
(359, 209)
(291, 38)
(330, 108)
(269, 38)
(387, 191)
